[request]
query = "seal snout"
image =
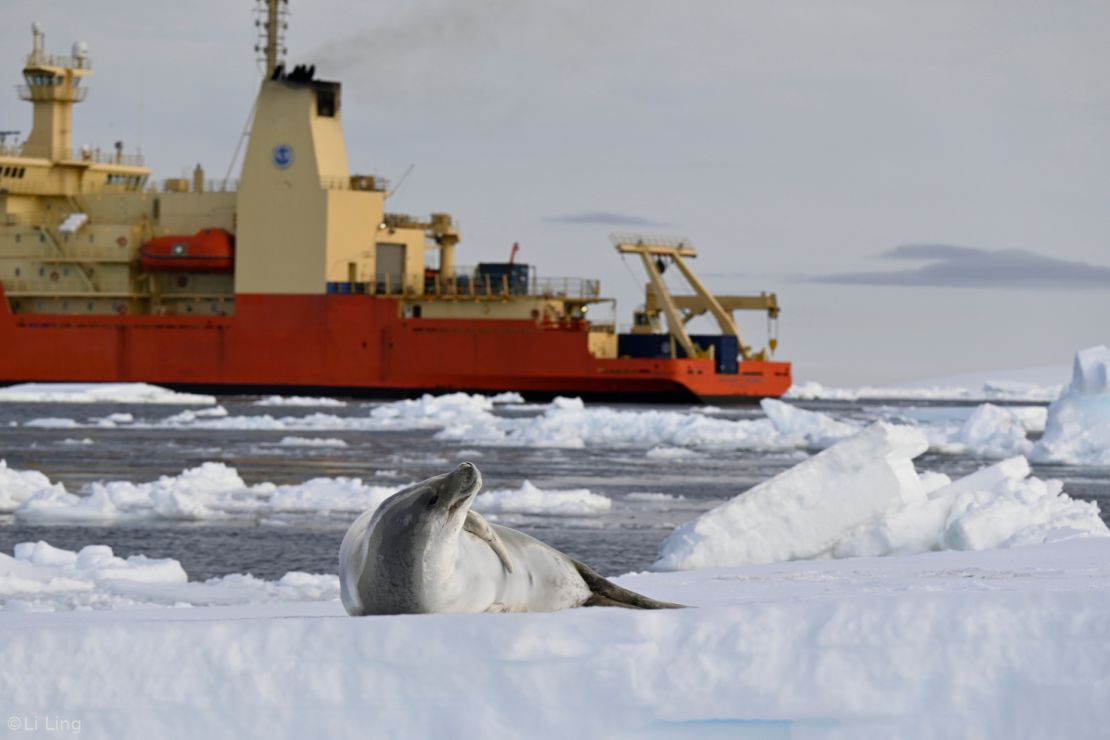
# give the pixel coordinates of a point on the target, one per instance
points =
(465, 482)
(467, 476)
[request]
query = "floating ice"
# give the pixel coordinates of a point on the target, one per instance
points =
(51, 422)
(99, 393)
(665, 452)
(985, 390)
(863, 497)
(17, 486)
(990, 431)
(508, 397)
(298, 401)
(311, 442)
(39, 577)
(210, 491)
(569, 423)
(1078, 426)
(531, 500)
(818, 430)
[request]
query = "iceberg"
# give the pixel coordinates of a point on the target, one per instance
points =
(1077, 430)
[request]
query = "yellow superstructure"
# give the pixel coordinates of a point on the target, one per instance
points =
(72, 222)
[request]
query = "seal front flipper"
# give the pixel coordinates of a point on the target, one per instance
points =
(477, 525)
(604, 592)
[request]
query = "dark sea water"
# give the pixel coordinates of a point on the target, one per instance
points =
(625, 539)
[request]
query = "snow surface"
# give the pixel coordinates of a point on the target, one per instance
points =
(99, 393)
(863, 497)
(953, 644)
(1077, 430)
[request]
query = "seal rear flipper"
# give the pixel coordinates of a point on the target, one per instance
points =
(604, 592)
(477, 525)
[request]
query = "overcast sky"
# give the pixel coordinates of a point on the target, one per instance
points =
(925, 185)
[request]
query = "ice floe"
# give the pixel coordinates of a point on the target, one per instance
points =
(99, 393)
(990, 431)
(209, 491)
(508, 397)
(863, 496)
(311, 442)
(299, 401)
(52, 422)
(531, 500)
(39, 577)
(986, 390)
(17, 486)
(1077, 429)
(216, 491)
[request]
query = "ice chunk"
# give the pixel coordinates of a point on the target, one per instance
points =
(802, 512)
(507, 397)
(1077, 429)
(312, 442)
(40, 577)
(298, 401)
(209, 491)
(993, 431)
(528, 499)
(818, 430)
(18, 486)
(995, 507)
(99, 393)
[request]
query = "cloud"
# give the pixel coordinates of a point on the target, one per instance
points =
(604, 218)
(968, 267)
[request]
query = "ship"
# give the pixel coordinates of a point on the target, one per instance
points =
(296, 278)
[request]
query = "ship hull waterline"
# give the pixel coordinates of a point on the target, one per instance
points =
(354, 345)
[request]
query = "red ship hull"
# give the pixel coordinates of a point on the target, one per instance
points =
(354, 345)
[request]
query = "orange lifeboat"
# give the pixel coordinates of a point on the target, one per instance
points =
(209, 250)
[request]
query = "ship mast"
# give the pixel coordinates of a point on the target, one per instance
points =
(271, 23)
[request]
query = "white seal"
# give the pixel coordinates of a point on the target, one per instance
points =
(424, 551)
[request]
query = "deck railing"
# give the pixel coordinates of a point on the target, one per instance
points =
(81, 154)
(472, 284)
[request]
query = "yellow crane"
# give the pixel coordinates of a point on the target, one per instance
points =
(655, 252)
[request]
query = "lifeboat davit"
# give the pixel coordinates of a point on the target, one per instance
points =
(209, 250)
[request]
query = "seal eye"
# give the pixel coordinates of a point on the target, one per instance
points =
(433, 501)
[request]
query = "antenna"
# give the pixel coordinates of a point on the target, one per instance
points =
(402, 180)
(271, 20)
